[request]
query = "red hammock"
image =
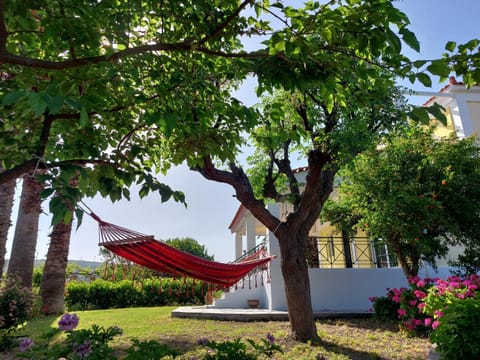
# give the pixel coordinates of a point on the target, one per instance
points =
(157, 255)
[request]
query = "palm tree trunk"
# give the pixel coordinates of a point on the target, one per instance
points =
(26, 232)
(52, 288)
(7, 191)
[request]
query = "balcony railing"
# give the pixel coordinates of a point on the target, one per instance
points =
(339, 252)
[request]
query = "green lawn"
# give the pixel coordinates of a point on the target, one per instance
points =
(341, 339)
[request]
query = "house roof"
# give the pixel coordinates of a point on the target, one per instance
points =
(241, 211)
(452, 82)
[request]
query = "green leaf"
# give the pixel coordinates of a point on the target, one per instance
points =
(438, 112)
(394, 41)
(424, 79)
(45, 193)
(37, 103)
(329, 102)
(450, 46)
(83, 117)
(419, 63)
(420, 114)
(439, 67)
(79, 215)
(67, 217)
(410, 39)
(55, 103)
(13, 97)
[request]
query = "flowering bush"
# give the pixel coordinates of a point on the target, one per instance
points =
(16, 303)
(91, 343)
(445, 292)
(449, 310)
(457, 335)
(408, 303)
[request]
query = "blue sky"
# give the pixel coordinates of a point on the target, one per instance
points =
(211, 206)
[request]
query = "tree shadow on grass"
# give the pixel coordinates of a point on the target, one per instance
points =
(352, 354)
(364, 323)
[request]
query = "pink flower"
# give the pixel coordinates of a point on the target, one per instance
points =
(428, 321)
(413, 279)
(419, 294)
(421, 283)
(438, 313)
(435, 324)
(401, 313)
(412, 302)
(421, 306)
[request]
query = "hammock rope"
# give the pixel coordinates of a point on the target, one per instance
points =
(157, 255)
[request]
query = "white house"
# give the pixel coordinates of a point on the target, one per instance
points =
(346, 273)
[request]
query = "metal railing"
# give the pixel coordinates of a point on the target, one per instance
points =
(340, 252)
(251, 252)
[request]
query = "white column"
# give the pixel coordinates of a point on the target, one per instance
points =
(238, 245)
(275, 289)
(250, 230)
(464, 113)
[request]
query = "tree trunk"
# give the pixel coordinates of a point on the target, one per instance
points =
(410, 269)
(297, 285)
(52, 289)
(26, 232)
(7, 191)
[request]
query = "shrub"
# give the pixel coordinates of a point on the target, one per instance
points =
(409, 306)
(101, 294)
(385, 309)
(238, 350)
(458, 335)
(91, 343)
(16, 304)
(141, 350)
(447, 291)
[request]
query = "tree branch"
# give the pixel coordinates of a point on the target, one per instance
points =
(237, 178)
(32, 164)
(219, 29)
(3, 27)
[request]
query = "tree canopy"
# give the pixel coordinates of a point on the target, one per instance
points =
(190, 246)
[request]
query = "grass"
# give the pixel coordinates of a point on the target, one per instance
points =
(340, 339)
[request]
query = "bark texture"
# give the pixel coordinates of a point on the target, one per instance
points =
(7, 191)
(52, 288)
(297, 286)
(26, 232)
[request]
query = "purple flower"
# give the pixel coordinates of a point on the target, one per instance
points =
(25, 344)
(202, 341)
(83, 350)
(68, 322)
(270, 339)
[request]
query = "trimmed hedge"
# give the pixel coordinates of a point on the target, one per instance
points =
(101, 294)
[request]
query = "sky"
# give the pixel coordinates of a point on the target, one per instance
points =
(212, 206)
